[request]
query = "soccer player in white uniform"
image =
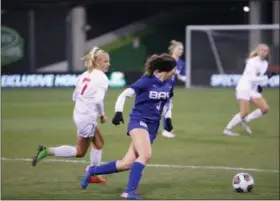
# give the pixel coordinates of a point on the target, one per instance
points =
(249, 90)
(89, 96)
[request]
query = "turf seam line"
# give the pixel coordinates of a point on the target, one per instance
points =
(153, 165)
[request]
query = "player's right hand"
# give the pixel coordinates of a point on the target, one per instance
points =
(103, 119)
(118, 118)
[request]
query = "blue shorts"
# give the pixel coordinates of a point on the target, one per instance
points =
(150, 126)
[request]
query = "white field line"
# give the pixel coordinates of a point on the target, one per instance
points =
(154, 165)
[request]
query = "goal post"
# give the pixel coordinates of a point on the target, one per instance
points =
(220, 50)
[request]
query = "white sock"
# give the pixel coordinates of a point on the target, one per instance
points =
(63, 151)
(257, 113)
(234, 121)
(95, 156)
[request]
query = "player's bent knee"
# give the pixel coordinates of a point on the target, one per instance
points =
(80, 153)
(243, 114)
(145, 158)
(265, 110)
(99, 145)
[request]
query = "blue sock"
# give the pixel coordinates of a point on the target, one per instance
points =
(134, 176)
(107, 168)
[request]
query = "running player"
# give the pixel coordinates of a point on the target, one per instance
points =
(89, 97)
(176, 50)
(249, 90)
(152, 92)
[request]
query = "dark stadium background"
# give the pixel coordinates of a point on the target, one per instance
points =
(49, 37)
(199, 163)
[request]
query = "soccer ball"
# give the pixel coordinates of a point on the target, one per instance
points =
(243, 182)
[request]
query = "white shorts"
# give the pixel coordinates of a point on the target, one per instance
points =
(247, 94)
(85, 129)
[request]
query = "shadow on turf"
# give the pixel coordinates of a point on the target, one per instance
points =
(144, 189)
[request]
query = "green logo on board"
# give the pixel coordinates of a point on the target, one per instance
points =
(117, 80)
(11, 46)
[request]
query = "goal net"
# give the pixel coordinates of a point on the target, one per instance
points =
(215, 55)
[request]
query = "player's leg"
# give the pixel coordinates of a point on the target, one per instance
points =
(244, 105)
(85, 133)
(66, 151)
(142, 145)
(111, 167)
(165, 132)
(96, 155)
(262, 108)
(96, 148)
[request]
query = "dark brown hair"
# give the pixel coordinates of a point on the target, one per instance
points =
(163, 63)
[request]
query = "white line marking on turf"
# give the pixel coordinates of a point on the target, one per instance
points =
(154, 165)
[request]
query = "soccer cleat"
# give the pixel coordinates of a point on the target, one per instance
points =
(85, 180)
(95, 179)
(41, 154)
(131, 196)
(229, 132)
(246, 127)
(167, 134)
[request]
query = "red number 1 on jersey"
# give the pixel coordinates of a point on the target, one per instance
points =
(86, 81)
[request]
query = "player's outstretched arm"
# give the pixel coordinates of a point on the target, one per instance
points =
(118, 118)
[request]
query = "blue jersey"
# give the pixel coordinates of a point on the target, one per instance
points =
(151, 96)
(180, 69)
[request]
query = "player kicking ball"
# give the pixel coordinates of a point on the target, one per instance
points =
(152, 92)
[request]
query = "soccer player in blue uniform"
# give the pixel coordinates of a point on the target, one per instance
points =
(176, 50)
(153, 91)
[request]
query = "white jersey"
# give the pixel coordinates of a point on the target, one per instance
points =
(89, 96)
(253, 74)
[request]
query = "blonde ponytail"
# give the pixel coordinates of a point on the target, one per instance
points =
(252, 54)
(90, 58)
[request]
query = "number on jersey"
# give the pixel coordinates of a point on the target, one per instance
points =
(85, 82)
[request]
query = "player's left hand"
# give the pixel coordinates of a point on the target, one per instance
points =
(169, 126)
(118, 118)
(103, 119)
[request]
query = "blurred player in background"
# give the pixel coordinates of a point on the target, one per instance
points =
(249, 90)
(152, 92)
(176, 50)
(89, 96)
